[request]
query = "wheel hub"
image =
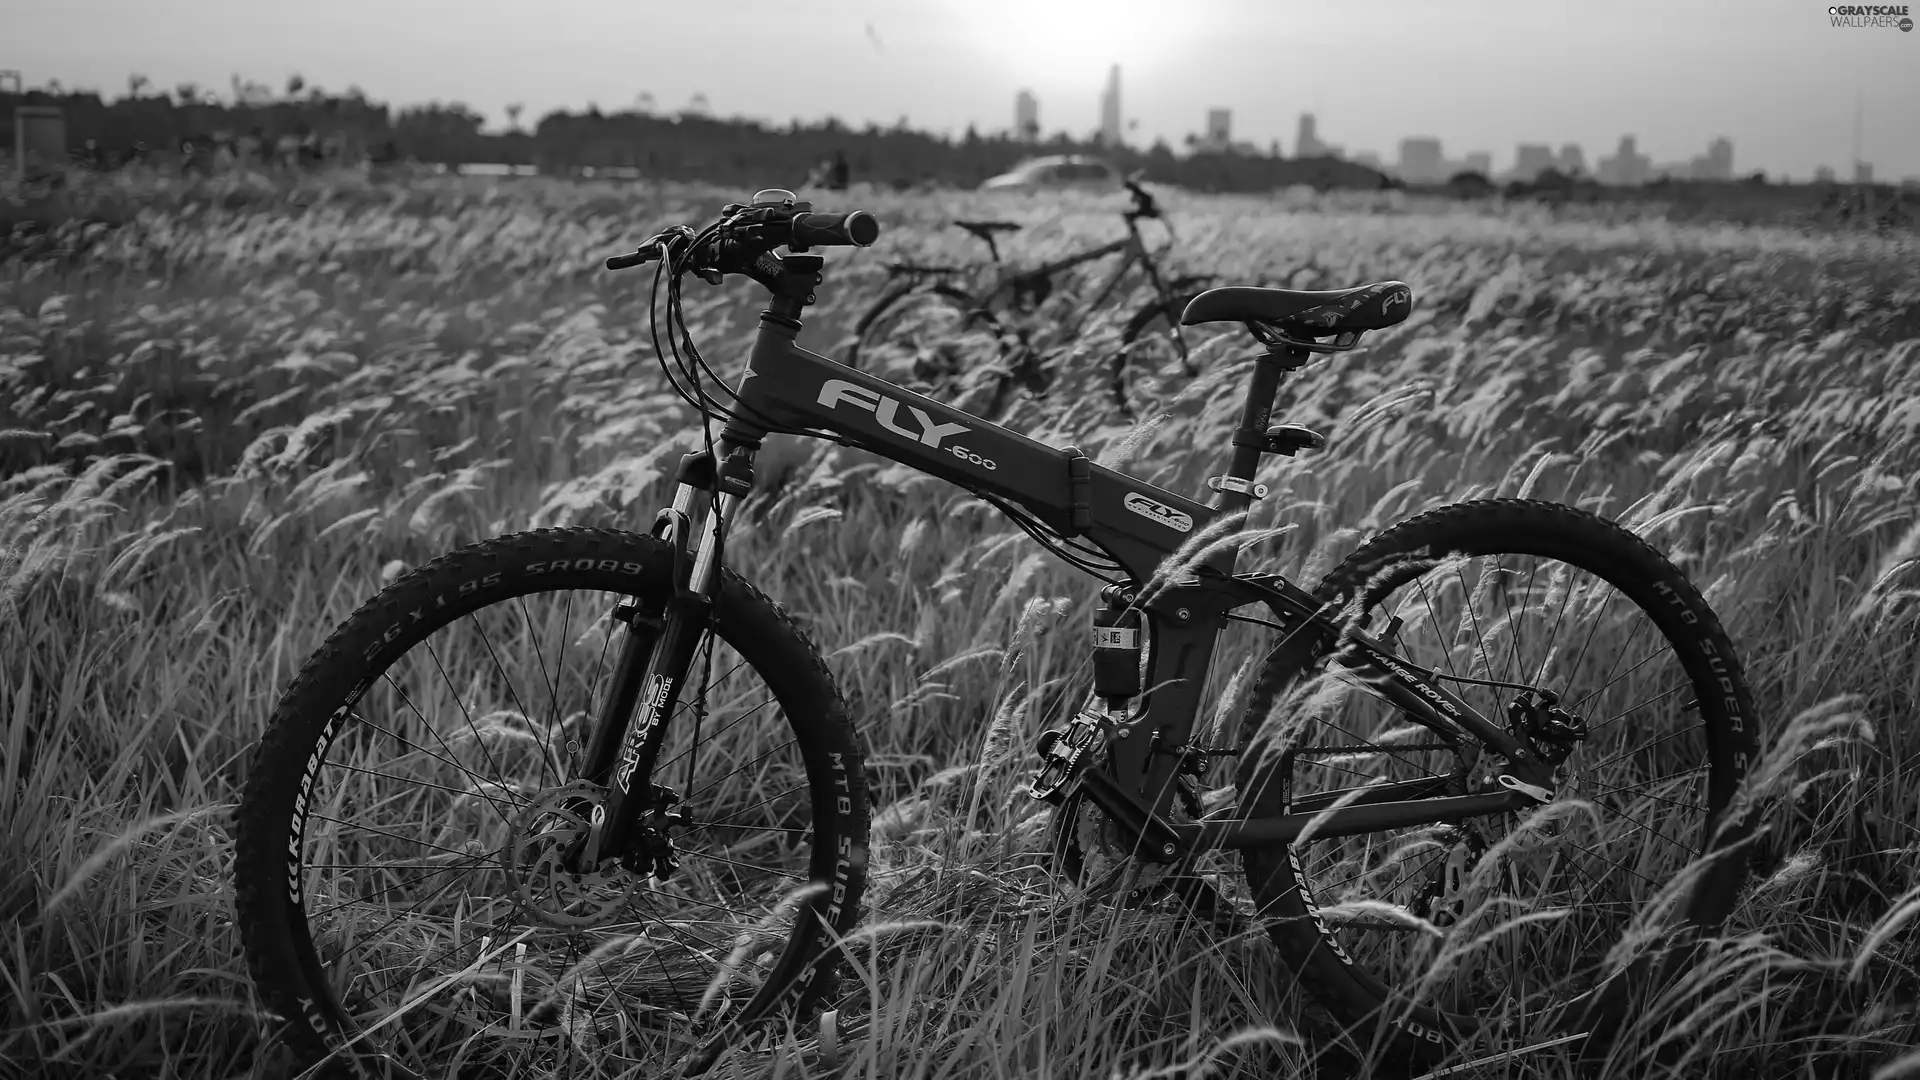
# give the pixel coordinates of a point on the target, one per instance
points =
(541, 858)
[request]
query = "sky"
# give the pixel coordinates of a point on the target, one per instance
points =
(1774, 76)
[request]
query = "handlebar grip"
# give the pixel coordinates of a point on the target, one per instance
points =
(622, 262)
(856, 229)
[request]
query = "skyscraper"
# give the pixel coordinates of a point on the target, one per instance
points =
(1307, 142)
(1026, 116)
(1219, 129)
(1720, 158)
(1110, 109)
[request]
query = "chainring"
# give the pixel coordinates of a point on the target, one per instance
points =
(544, 834)
(1094, 856)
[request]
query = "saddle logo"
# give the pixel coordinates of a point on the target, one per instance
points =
(837, 392)
(1393, 299)
(1157, 511)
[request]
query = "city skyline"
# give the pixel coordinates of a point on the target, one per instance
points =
(1422, 159)
(1774, 76)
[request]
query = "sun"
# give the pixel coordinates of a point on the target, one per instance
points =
(1068, 41)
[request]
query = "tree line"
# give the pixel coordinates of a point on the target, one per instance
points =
(689, 145)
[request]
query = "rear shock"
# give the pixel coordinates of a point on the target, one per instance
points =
(1064, 751)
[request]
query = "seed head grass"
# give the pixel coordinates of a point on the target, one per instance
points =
(227, 422)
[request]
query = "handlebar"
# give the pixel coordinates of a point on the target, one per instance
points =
(623, 262)
(1143, 203)
(855, 229)
(746, 232)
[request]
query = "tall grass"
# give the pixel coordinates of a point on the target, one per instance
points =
(234, 416)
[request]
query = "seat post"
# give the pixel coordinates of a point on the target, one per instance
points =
(1250, 438)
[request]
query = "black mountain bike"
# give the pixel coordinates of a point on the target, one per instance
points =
(925, 310)
(585, 794)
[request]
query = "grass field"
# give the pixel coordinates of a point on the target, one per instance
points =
(227, 421)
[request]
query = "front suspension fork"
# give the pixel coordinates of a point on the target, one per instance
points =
(655, 658)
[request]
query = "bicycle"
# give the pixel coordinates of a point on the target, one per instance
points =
(1003, 305)
(738, 823)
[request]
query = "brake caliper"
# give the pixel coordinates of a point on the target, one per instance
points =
(651, 852)
(1552, 731)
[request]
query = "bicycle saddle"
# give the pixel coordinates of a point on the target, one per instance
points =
(985, 229)
(1316, 313)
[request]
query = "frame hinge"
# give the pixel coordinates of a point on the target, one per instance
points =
(1079, 489)
(1235, 484)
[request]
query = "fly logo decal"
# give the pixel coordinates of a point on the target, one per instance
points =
(1158, 511)
(837, 392)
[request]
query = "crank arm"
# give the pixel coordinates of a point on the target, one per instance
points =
(1158, 840)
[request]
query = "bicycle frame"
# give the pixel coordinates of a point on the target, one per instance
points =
(1137, 254)
(1143, 528)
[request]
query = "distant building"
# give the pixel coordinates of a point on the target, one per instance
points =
(1530, 160)
(1479, 161)
(1026, 116)
(1306, 142)
(1626, 168)
(1421, 161)
(1823, 175)
(1720, 159)
(1862, 172)
(1110, 109)
(1219, 128)
(1368, 158)
(1572, 160)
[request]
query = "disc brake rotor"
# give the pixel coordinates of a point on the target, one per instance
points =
(1444, 899)
(545, 834)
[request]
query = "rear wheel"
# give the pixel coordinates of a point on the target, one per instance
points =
(922, 332)
(402, 873)
(1424, 937)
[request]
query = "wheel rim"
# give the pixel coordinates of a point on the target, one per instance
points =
(423, 826)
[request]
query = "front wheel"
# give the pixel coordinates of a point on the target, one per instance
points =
(1426, 938)
(402, 857)
(1152, 346)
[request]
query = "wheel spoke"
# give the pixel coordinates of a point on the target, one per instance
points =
(420, 847)
(1609, 644)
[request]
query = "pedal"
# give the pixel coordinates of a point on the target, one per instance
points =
(1289, 439)
(1063, 755)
